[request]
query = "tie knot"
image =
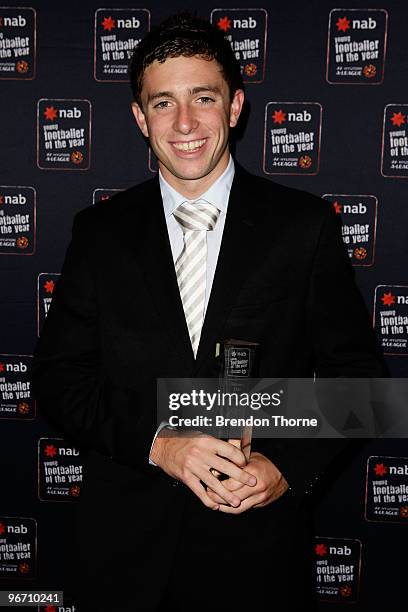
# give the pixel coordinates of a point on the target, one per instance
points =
(196, 216)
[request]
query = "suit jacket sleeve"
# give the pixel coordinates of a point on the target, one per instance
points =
(74, 393)
(344, 345)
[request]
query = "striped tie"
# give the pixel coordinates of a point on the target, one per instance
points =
(196, 219)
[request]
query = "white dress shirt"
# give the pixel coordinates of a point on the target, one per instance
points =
(218, 195)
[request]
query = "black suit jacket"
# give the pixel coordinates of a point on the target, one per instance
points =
(116, 324)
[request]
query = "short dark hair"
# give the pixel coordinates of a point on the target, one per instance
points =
(185, 35)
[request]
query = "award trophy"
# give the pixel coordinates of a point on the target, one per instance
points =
(237, 363)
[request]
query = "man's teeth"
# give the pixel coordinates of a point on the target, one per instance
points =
(189, 146)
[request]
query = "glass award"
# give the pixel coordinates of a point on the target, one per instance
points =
(237, 363)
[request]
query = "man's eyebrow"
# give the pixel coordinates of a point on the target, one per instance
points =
(195, 90)
(201, 88)
(159, 94)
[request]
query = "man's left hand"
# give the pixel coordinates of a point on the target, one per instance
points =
(271, 484)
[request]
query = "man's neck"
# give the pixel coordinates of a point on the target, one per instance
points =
(192, 189)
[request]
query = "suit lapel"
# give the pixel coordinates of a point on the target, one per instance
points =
(154, 256)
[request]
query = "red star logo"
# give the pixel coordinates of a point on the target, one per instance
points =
(108, 23)
(50, 609)
(380, 469)
(337, 207)
(343, 24)
(50, 450)
(2, 368)
(49, 286)
(279, 116)
(398, 119)
(2, 529)
(224, 24)
(50, 113)
(321, 550)
(1, 199)
(388, 299)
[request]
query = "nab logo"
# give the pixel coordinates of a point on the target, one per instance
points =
(16, 529)
(225, 23)
(68, 452)
(339, 550)
(401, 470)
(13, 199)
(281, 117)
(343, 24)
(244, 24)
(302, 116)
(132, 23)
(13, 22)
(13, 367)
(355, 209)
(69, 113)
(110, 24)
(388, 299)
(364, 24)
(52, 113)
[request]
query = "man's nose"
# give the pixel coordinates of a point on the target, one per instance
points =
(185, 121)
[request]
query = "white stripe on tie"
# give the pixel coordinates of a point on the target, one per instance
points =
(195, 219)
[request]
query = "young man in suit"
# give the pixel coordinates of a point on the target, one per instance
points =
(218, 253)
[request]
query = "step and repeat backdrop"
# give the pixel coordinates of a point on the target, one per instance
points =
(327, 112)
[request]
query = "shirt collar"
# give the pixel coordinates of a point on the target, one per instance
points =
(217, 194)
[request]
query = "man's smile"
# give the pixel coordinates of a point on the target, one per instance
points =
(190, 146)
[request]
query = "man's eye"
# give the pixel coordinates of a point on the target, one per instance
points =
(206, 100)
(163, 104)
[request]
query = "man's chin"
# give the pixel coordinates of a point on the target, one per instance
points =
(187, 174)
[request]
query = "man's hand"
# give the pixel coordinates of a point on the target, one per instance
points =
(270, 485)
(189, 459)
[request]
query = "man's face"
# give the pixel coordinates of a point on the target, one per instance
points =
(187, 114)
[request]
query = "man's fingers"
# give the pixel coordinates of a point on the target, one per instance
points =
(231, 485)
(245, 505)
(225, 495)
(222, 494)
(191, 461)
(229, 451)
(216, 485)
(233, 471)
(242, 491)
(201, 493)
(215, 497)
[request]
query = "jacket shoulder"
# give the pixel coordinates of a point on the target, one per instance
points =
(291, 200)
(104, 213)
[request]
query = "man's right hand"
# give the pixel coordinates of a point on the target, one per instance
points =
(189, 457)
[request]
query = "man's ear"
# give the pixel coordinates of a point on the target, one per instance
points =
(236, 107)
(140, 118)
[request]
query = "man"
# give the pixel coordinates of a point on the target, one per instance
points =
(202, 253)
